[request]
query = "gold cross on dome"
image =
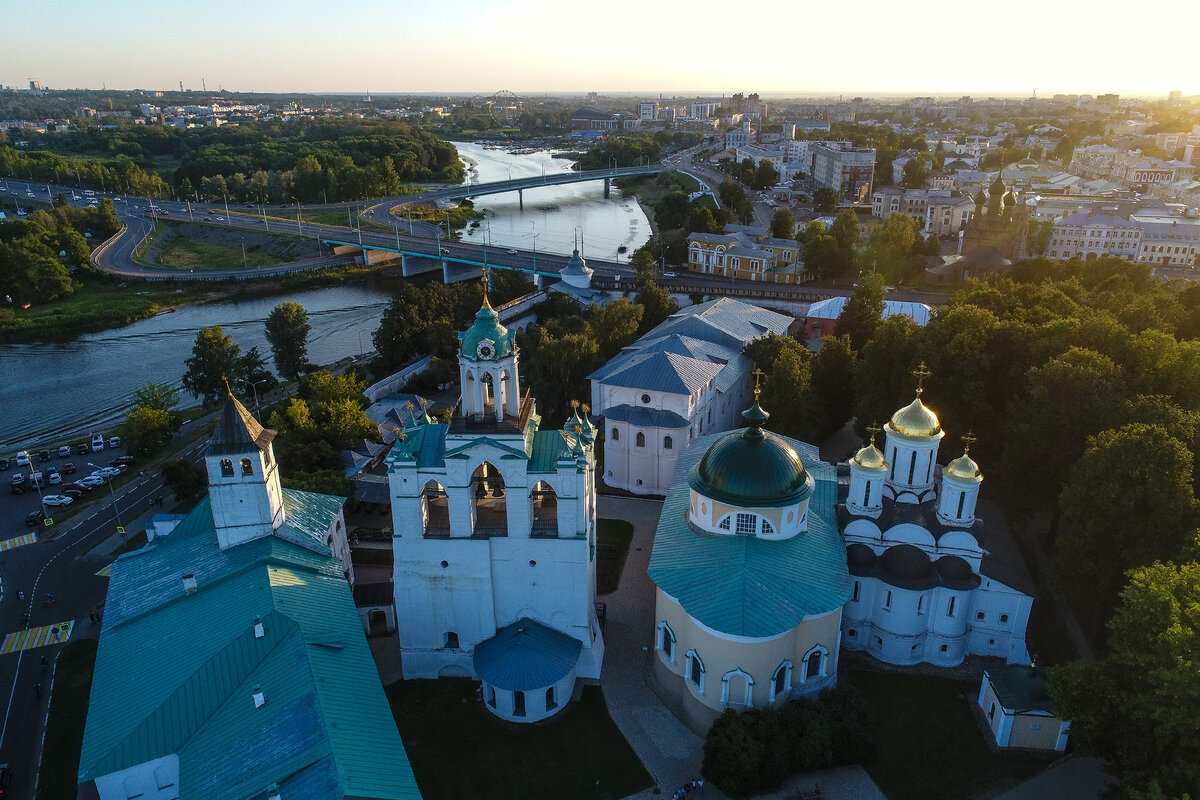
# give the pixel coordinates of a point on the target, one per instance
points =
(585, 408)
(227, 389)
(922, 372)
(874, 430)
(758, 376)
(409, 405)
(487, 278)
(424, 403)
(402, 436)
(575, 404)
(968, 439)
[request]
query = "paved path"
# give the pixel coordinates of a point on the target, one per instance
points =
(1073, 778)
(670, 751)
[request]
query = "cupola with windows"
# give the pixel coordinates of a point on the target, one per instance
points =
(750, 482)
(912, 436)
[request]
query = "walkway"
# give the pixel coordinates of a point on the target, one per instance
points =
(669, 750)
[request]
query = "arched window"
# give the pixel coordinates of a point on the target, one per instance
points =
(226, 468)
(666, 642)
(640, 441)
(725, 523)
(451, 640)
(247, 467)
(695, 671)
(767, 528)
(814, 664)
(616, 435)
(737, 688)
(518, 704)
(551, 703)
(668, 443)
(781, 681)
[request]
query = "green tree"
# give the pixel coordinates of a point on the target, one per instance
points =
(672, 211)
(863, 311)
(892, 244)
(615, 325)
(186, 479)
(833, 379)
(146, 430)
(825, 199)
(915, 173)
(1065, 149)
(287, 333)
(158, 396)
(656, 302)
(557, 371)
(845, 230)
(783, 224)
(214, 361)
(1135, 706)
(764, 175)
(883, 380)
(701, 220)
(823, 259)
(1129, 501)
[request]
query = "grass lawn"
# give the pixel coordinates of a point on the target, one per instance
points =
(328, 218)
(68, 711)
(927, 742)
(184, 253)
(96, 305)
(458, 750)
(612, 545)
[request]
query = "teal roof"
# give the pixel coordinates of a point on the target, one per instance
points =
(750, 467)
(1021, 688)
(487, 326)
(743, 585)
(176, 672)
(526, 656)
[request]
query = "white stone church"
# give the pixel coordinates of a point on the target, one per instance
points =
(495, 539)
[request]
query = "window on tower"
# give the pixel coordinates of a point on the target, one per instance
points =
(226, 468)
(247, 467)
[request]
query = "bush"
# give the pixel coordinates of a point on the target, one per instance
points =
(754, 751)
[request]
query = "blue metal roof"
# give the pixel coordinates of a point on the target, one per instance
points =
(664, 372)
(645, 417)
(526, 656)
(743, 585)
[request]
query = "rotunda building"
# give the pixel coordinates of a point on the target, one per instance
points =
(750, 573)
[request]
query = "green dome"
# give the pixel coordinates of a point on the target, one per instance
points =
(486, 328)
(751, 467)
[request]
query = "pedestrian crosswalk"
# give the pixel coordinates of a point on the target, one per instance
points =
(37, 637)
(17, 541)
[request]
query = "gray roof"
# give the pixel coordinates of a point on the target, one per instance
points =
(526, 656)
(664, 372)
(238, 431)
(645, 417)
(1085, 218)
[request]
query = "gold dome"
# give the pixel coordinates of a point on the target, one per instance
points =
(963, 469)
(915, 420)
(869, 458)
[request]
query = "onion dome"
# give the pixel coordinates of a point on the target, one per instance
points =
(1009, 199)
(576, 273)
(963, 469)
(751, 467)
(486, 338)
(915, 420)
(870, 459)
(998, 187)
(980, 197)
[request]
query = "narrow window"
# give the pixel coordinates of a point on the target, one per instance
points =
(247, 467)
(962, 501)
(950, 609)
(921, 604)
(867, 496)
(992, 711)
(1004, 617)
(943, 648)
(226, 468)
(451, 642)
(887, 603)
(979, 615)
(491, 696)
(667, 642)
(767, 528)
(518, 704)
(668, 443)
(857, 588)
(852, 633)
(616, 435)
(814, 666)
(640, 441)
(781, 679)
(893, 463)
(550, 702)
(912, 467)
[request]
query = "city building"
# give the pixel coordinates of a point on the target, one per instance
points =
(848, 170)
(941, 212)
(749, 572)
(740, 137)
(232, 662)
(746, 252)
(593, 119)
(495, 539)
(1018, 712)
(822, 316)
(704, 110)
(685, 378)
(992, 240)
(931, 583)
(647, 111)
(1093, 235)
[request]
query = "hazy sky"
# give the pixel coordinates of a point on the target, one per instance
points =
(870, 46)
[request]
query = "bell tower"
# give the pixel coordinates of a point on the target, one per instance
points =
(487, 367)
(243, 477)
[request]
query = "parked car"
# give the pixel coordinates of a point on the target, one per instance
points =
(74, 494)
(35, 479)
(82, 449)
(75, 486)
(35, 517)
(69, 468)
(121, 461)
(92, 481)
(57, 500)
(64, 451)
(22, 458)
(97, 443)
(44, 456)
(53, 477)
(114, 441)
(4, 464)
(512, 252)
(108, 472)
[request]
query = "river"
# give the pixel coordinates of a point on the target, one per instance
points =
(57, 389)
(554, 213)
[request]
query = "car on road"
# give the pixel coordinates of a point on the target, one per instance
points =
(44, 456)
(669, 275)
(97, 443)
(82, 449)
(208, 219)
(114, 442)
(446, 251)
(64, 451)
(69, 468)
(91, 481)
(512, 252)
(22, 458)
(220, 219)
(57, 500)
(35, 517)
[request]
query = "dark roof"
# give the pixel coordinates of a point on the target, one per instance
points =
(645, 417)
(238, 431)
(526, 656)
(907, 567)
(1020, 688)
(987, 257)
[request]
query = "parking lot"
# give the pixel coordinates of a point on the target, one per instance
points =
(14, 508)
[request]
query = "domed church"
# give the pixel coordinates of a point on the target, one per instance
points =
(750, 573)
(930, 582)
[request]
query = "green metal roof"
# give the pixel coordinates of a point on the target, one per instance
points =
(175, 672)
(1021, 688)
(750, 467)
(487, 326)
(526, 656)
(743, 585)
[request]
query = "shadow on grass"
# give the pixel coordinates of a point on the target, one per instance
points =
(458, 750)
(927, 742)
(68, 712)
(612, 546)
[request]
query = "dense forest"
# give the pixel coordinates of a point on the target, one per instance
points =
(38, 253)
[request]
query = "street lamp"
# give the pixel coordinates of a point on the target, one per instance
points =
(254, 387)
(116, 511)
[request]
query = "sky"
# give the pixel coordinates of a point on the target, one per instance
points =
(869, 47)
